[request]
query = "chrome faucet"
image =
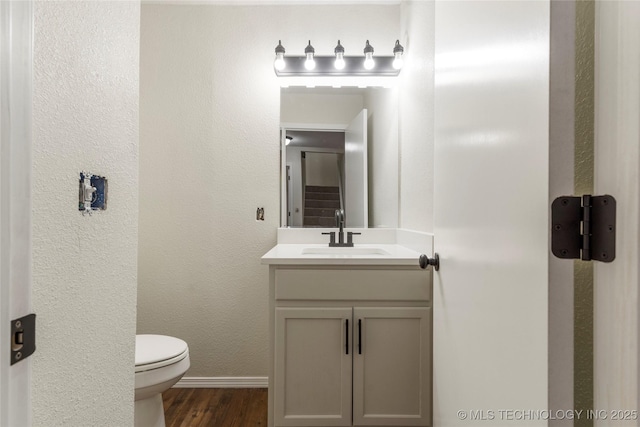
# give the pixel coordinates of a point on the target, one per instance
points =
(339, 215)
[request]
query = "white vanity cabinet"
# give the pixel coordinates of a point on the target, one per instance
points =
(313, 367)
(350, 345)
(392, 367)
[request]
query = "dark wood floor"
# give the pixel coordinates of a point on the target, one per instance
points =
(215, 407)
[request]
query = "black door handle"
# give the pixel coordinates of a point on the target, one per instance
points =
(359, 336)
(346, 329)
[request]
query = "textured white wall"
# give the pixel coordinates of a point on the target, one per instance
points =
(417, 116)
(85, 116)
(209, 156)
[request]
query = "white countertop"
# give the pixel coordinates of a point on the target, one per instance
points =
(360, 254)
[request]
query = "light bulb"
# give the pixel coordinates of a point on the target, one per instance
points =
(398, 52)
(309, 64)
(339, 51)
(339, 64)
(398, 62)
(279, 63)
(369, 63)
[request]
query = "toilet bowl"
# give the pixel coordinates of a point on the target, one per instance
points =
(160, 363)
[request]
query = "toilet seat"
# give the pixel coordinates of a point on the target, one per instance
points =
(158, 351)
(160, 362)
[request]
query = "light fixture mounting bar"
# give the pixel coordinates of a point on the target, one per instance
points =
(325, 66)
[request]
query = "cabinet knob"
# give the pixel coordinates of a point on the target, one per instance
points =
(425, 261)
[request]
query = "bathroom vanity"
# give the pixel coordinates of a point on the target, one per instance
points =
(350, 336)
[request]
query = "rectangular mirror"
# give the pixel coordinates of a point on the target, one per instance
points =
(335, 146)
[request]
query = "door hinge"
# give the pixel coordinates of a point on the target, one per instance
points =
(584, 227)
(23, 337)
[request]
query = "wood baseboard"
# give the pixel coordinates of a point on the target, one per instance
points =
(222, 382)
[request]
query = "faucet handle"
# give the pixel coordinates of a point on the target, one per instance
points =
(332, 237)
(350, 235)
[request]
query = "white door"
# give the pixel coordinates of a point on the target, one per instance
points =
(16, 27)
(391, 366)
(356, 193)
(491, 211)
(312, 378)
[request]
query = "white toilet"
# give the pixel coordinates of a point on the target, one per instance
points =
(160, 362)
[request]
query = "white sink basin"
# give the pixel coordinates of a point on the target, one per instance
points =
(353, 251)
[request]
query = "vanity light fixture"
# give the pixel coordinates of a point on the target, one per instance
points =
(339, 51)
(398, 52)
(288, 140)
(347, 69)
(279, 63)
(369, 63)
(309, 51)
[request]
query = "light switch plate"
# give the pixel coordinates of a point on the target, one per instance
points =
(93, 192)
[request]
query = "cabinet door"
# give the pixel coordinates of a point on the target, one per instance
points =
(392, 367)
(313, 367)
